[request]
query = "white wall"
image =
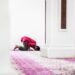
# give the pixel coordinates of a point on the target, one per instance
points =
(60, 40)
(27, 18)
(5, 68)
(4, 32)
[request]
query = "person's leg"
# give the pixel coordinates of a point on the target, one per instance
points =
(21, 48)
(26, 46)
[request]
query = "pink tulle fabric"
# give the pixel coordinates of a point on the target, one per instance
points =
(29, 66)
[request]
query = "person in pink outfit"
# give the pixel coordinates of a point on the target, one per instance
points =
(28, 43)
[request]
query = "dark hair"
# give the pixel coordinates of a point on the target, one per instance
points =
(37, 48)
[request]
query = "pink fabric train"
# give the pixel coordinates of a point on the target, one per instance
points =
(30, 67)
(29, 64)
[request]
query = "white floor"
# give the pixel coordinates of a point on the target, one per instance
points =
(8, 71)
(6, 68)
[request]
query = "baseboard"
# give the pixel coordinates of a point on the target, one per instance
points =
(62, 52)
